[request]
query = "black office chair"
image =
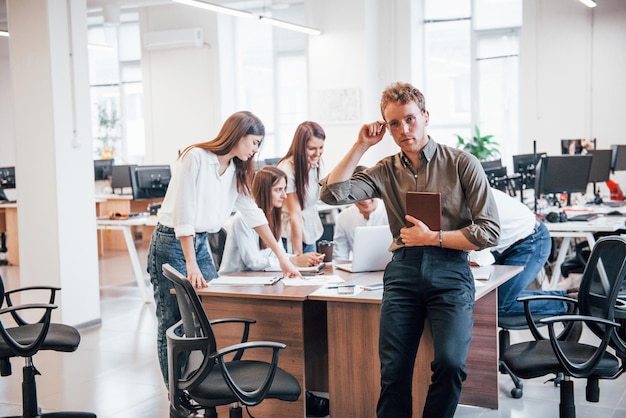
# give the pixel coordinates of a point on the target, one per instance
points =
(598, 307)
(201, 378)
(26, 339)
(570, 332)
(217, 240)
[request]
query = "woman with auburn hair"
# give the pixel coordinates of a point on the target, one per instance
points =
(244, 250)
(209, 180)
(302, 226)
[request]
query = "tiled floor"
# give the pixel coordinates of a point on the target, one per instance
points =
(114, 372)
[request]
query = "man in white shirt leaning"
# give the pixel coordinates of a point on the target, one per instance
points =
(368, 212)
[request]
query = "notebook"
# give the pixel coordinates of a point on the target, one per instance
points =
(425, 206)
(244, 281)
(370, 251)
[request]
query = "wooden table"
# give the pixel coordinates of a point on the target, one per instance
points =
(332, 342)
(125, 226)
(112, 203)
(283, 314)
(8, 225)
(353, 362)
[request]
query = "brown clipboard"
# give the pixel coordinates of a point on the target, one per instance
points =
(425, 206)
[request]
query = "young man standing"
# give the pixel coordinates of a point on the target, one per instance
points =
(429, 275)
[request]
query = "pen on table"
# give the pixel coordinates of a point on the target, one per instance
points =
(337, 287)
(312, 274)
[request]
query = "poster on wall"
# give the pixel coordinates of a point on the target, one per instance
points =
(339, 106)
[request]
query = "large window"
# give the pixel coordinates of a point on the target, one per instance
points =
(272, 78)
(471, 69)
(116, 89)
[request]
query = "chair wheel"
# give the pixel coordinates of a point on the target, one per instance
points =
(516, 393)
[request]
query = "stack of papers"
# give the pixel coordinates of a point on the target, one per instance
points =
(336, 291)
(481, 273)
(313, 281)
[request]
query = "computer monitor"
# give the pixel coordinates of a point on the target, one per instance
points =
(102, 169)
(121, 178)
(493, 164)
(497, 178)
(618, 159)
(600, 165)
(7, 178)
(150, 181)
(562, 174)
(272, 161)
(526, 163)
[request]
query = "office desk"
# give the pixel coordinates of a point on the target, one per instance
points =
(8, 225)
(283, 314)
(353, 363)
(126, 226)
(330, 339)
(112, 203)
(569, 230)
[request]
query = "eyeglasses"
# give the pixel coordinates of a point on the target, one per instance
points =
(396, 125)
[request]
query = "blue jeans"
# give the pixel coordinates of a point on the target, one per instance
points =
(165, 248)
(420, 283)
(532, 252)
(306, 248)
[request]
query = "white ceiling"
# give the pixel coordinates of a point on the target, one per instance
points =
(95, 7)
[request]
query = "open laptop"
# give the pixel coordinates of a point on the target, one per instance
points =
(370, 250)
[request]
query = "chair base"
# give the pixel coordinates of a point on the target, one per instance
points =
(517, 391)
(30, 408)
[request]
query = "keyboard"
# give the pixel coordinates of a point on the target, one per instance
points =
(614, 203)
(583, 217)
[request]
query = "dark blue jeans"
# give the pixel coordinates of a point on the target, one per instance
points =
(306, 248)
(425, 283)
(532, 253)
(165, 248)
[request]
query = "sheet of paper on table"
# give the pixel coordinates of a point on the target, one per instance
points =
(313, 281)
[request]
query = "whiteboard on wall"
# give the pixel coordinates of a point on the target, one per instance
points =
(339, 106)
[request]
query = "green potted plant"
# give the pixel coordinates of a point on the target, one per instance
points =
(480, 146)
(108, 129)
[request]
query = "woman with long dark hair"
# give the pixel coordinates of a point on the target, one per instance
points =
(244, 250)
(302, 226)
(209, 180)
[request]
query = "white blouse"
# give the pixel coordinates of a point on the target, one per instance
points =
(312, 228)
(242, 251)
(199, 199)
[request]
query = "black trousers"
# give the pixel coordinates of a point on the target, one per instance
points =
(421, 283)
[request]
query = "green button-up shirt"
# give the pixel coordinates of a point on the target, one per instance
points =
(467, 203)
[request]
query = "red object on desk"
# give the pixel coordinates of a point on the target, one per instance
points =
(616, 191)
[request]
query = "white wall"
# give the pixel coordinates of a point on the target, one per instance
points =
(181, 86)
(54, 169)
(572, 74)
(7, 130)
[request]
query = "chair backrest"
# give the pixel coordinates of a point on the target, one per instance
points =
(601, 283)
(195, 321)
(217, 241)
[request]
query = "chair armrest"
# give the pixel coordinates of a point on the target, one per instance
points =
(27, 350)
(249, 398)
(532, 323)
(586, 367)
(245, 334)
(16, 317)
